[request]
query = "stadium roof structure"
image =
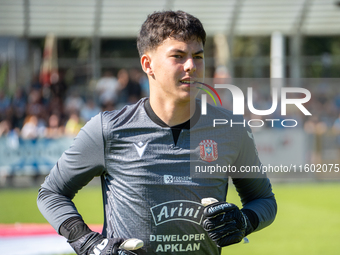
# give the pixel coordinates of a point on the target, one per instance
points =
(122, 18)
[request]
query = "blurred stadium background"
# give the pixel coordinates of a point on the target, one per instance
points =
(62, 62)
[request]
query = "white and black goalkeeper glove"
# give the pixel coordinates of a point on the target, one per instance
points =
(96, 244)
(225, 223)
(87, 242)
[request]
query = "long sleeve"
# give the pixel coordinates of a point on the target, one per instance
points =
(256, 194)
(254, 188)
(76, 167)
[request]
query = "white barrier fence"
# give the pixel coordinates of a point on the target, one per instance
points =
(30, 157)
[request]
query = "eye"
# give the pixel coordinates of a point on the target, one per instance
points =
(176, 56)
(198, 57)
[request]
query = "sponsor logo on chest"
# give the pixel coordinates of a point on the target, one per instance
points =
(177, 210)
(170, 179)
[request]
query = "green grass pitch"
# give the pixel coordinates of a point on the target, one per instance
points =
(308, 219)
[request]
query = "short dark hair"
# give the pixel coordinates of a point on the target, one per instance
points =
(168, 24)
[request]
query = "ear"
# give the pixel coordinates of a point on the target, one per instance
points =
(146, 64)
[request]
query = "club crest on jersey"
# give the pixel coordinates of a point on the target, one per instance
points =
(208, 150)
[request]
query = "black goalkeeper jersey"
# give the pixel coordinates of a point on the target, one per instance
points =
(149, 189)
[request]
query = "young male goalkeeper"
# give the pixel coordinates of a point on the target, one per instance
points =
(143, 154)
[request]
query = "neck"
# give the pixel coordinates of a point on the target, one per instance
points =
(172, 113)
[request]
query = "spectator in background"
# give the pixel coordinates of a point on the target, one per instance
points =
(74, 102)
(221, 72)
(56, 106)
(336, 125)
(73, 125)
(107, 89)
(336, 101)
(221, 76)
(36, 84)
(32, 128)
(54, 130)
(89, 110)
(4, 104)
(316, 128)
(123, 80)
(109, 106)
(5, 127)
(19, 103)
(35, 105)
(140, 77)
(59, 87)
(336, 131)
(130, 90)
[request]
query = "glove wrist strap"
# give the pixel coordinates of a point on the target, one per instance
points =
(74, 228)
(247, 224)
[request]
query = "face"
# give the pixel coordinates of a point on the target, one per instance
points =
(173, 67)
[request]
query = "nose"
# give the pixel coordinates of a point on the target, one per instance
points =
(189, 65)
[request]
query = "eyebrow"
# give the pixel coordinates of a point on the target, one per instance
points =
(183, 52)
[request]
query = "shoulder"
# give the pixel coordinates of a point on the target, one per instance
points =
(222, 115)
(216, 112)
(222, 112)
(222, 121)
(117, 118)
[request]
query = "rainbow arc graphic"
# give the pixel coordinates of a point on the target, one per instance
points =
(209, 93)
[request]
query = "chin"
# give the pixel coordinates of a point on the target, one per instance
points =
(188, 98)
